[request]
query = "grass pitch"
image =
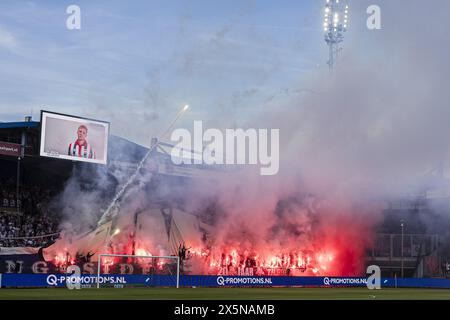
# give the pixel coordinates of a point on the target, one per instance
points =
(224, 294)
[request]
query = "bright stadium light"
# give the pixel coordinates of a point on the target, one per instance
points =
(335, 25)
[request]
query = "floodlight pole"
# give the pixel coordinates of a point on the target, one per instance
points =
(335, 25)
(331, 57)
(19, 158)
(18, 185)
(402, 225)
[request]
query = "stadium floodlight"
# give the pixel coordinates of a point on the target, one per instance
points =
(335, 25)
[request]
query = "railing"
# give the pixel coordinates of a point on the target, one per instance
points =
(414, 245)
(32, 237)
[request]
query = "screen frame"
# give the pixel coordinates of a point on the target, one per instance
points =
(42, 153)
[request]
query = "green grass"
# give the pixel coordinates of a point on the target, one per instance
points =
(224, 293)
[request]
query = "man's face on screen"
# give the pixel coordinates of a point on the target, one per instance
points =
(82, 133)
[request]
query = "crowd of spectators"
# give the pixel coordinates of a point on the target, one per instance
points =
(24, 217)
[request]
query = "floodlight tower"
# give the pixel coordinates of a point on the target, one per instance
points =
(334, 26)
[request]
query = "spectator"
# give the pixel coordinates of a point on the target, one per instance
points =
(31, 221)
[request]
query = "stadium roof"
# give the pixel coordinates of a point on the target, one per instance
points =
(22, 124)
(121, 151)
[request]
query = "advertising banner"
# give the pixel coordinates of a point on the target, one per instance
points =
(61, 280)
(10, 149)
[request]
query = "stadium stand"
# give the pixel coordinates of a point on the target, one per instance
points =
(25, 220)
(29, 219)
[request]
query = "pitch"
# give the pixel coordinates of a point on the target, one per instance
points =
(224, 293)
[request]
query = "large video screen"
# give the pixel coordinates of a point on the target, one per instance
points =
(74, 138)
